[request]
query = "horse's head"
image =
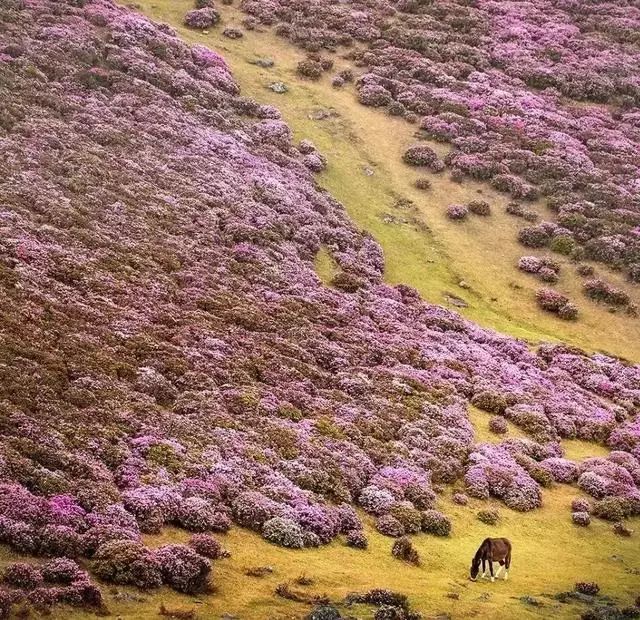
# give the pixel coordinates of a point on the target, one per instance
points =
(475, 569)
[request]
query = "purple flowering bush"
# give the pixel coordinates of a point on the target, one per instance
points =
(183, 569)
(404, 550)
(581, 518)
(501, 90)
(390, 526)
(423, 155)
(561, 470)
(207, 546)
(581, 504)
(283, 532)
(128, 563)
(202, 18)
(457, 212)
(460, 498)
(436, 523)
(356, 539)
(498, 425)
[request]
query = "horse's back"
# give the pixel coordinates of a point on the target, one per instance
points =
(501, 547)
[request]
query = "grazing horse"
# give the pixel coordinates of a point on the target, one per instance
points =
(492, 550)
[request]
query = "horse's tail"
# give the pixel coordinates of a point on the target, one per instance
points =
(507, 560)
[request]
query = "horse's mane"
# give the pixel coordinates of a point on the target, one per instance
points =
(481, 548)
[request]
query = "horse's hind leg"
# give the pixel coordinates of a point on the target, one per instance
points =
(507, 564)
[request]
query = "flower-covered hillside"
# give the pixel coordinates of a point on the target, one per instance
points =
(503, 83)
(170, 356)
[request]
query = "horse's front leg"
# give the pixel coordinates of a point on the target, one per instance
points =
(491, 570)
(484, 569)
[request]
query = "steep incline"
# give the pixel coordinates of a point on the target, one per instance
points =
(167, 349)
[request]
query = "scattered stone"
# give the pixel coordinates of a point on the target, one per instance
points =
(279, 87)
(463, 284)
(389, 218)
(453, 595)
(265, 63)
(128, 597)
(368, 171)
(322, 114)
(454, 300)
(530, 600)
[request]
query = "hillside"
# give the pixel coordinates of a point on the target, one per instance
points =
(197, 336)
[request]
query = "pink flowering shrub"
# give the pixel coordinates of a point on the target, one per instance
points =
(581, 518)
(356, 539)
(183, 569)
(599, 290)
(208, 547)
(309, 68)
(404, 550)
(489, 517)
(581, 504)
(284, 532)
(479, 207)
(390, 526)
(202, 18)
(460, 498)
(128, 563)
(534, 236)
(436, 523)
(374, 95)
(422, 155)
(494, 473)
(561, 469)
(61, 570)
(457, 212)
(22, 575)
(553, 301)
(498, 425)
(590, 588)
(376, 501)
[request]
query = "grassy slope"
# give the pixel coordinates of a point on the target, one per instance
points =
(550, 554)
(428, 252)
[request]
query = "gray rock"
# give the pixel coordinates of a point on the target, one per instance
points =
(265, 63)
(279, 87)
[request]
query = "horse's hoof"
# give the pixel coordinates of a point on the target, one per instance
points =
(493, 579)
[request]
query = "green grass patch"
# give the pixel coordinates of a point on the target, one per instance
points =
(325, 266)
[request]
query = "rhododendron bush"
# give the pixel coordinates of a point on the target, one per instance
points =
(169, 356)
(500, 81)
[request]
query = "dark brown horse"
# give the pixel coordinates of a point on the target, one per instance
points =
(492, 550)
